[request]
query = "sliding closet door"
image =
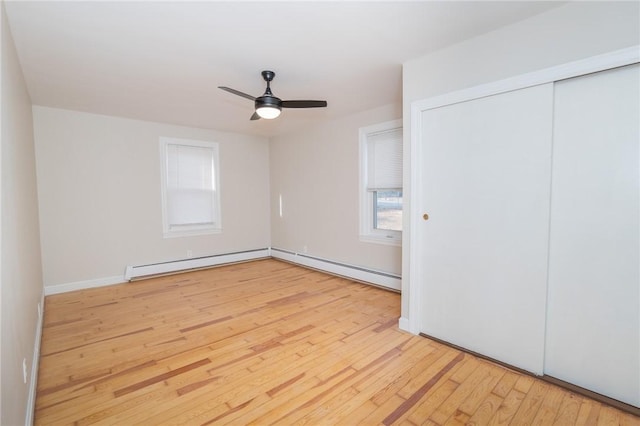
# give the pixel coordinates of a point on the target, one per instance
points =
(485, 180)
(593, 329)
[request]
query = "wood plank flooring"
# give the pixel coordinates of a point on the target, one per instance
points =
(268, 342)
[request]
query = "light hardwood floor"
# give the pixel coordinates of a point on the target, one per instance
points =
(268, 342)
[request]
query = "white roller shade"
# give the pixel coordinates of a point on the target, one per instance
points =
(190, 185)
(384, 160)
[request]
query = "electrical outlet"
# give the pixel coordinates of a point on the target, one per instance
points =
(304, 249)
(189, 253)
(39, 311)
(24, 370)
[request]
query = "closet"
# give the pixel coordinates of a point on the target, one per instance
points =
(525, 243)
(593, 333)
(486, 175)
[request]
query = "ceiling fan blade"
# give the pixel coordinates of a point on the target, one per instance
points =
(255, 116)
(236, 92)
(304, 104)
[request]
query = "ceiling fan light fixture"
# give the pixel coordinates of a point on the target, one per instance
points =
(268, 106)
(268, 112)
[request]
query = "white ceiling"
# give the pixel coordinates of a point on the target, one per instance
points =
(163, 61)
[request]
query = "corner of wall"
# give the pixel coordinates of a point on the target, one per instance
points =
(21, 273)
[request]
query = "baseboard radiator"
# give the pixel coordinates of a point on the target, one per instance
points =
(356, 273)
(145, 271)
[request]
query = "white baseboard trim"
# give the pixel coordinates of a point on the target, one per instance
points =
(139, 271)
(383, 279)
(82, 285)
(35, 362)
(159, 268)
(403, 324)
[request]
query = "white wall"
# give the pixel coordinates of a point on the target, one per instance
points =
(100, 201)
(567, 33)
(316, 173)
(21, 277)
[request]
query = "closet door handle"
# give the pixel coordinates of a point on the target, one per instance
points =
(425, 216)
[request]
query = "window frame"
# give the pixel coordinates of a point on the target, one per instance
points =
(367, 210)
(173, 231)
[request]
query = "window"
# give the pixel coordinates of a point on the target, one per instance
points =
(381, 183)
(190, 187)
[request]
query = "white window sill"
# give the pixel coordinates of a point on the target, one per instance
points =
(190, 233)
(389, 240)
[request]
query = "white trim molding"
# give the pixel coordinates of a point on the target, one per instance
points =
(181, 229)
(403, 324)
(82, 285)
(35, 362)
(368, 233)
(356, 273)
(618, 58)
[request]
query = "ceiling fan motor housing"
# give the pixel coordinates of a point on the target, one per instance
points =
(268, 101)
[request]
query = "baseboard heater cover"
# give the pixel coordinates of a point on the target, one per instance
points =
(357, 273)
(141, 271)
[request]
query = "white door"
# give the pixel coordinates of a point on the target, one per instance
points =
(485, 180)
(593, 329)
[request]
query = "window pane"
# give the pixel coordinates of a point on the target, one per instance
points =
(190, 186)
(381, 183)
(190, 207)
(387, 207)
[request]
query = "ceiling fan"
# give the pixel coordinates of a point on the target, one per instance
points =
(269, 106)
